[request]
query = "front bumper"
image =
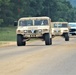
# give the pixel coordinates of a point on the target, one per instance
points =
(72, 31)
(29, 35)
(57, 33)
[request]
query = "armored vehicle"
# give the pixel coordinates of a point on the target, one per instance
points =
(60, 29)
(33, 27)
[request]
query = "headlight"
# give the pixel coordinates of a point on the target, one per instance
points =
(39, 30)
(25, 31)
(18, 31)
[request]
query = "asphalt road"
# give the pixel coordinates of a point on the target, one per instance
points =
(37, 59)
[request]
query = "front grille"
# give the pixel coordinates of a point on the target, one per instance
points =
(29, 31)
(72, 30)
(56, 31)
(34, 31)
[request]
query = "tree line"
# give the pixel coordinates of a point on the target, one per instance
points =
(57, 10)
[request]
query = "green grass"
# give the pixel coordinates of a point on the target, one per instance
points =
(3, 43)
(7, 33)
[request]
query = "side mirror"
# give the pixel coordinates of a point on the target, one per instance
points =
(15, 23)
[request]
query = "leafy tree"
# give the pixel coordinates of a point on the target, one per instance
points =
(57, 10)
(4, 4)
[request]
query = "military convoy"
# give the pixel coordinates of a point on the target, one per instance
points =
(60, 29)
(33, 27)
(40, 27)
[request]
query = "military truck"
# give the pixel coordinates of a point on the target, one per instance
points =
(60, 29)
(33, 27)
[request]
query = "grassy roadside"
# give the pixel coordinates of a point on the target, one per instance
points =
(7, 43)
(2, 43)
(8, 34)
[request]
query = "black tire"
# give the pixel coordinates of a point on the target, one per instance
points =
(20, 40)
(66, 37)
(48, 41)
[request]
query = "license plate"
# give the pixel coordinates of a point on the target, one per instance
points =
(33, 35)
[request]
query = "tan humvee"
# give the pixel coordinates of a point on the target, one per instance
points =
(33, 27)
(60, 29)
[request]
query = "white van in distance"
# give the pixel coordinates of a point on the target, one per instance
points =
(72, 28)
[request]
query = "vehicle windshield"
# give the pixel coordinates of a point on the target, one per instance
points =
(25, 23)
(72, 25)
(55, 25)
(60, 25)
(40, 22)
(37, 22)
